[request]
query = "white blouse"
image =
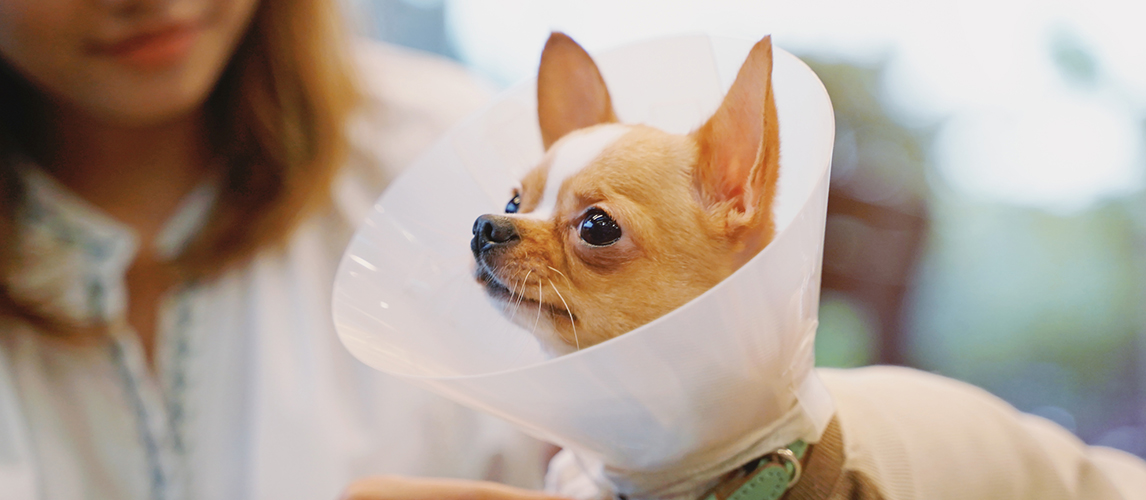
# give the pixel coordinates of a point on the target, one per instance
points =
(252, 396)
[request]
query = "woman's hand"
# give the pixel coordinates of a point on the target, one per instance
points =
(408, 488)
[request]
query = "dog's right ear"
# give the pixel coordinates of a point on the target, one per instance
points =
(571, 94)
(739, 161)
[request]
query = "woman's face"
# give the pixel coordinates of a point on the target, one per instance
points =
(127, 62)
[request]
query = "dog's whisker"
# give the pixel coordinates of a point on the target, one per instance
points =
(508, 307)
(514, 291)
(551, 268)
(571, 322)
(538, 320)
(520, 294)
(513, 286)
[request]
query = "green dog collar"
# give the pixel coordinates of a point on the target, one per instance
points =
(766, 478)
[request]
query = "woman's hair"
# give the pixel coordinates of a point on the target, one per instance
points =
(278, 117)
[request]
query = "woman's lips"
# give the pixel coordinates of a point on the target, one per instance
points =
(153, 49)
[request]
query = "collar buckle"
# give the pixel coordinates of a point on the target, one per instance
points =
(765, 478)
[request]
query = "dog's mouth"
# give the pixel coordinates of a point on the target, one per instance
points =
(502, 293)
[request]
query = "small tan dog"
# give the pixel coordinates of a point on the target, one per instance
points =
(620, 224)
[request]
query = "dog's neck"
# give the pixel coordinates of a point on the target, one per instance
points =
(578, 477)
(687, 481)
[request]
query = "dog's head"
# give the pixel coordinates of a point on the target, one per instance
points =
(620, 224)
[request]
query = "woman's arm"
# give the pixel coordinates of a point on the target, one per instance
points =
(406, 488)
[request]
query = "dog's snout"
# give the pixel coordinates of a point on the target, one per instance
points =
(491, 231)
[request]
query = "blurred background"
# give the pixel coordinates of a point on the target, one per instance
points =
(987, 216)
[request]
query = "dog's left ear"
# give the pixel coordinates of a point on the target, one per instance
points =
(739, 159)
(571, 94)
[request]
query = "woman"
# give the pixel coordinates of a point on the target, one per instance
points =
(177, 181)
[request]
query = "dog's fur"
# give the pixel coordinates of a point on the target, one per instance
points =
(688, 211)
(691, 209)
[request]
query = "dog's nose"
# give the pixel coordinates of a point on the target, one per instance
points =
(492, 231)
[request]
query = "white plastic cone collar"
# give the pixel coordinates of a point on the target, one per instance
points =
(731, 369)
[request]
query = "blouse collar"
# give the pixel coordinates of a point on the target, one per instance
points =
(75, 256)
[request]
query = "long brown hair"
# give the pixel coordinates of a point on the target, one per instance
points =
(279, 114)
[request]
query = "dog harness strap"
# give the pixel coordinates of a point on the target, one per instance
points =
(766, 478)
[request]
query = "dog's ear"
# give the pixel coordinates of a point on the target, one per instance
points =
(571, 94)
(739, 147)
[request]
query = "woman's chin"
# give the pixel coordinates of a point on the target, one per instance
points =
(141, 106)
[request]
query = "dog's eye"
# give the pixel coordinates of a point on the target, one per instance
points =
(514, 204)
(598, 229)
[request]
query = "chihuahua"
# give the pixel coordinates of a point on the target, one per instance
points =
(619, 224)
